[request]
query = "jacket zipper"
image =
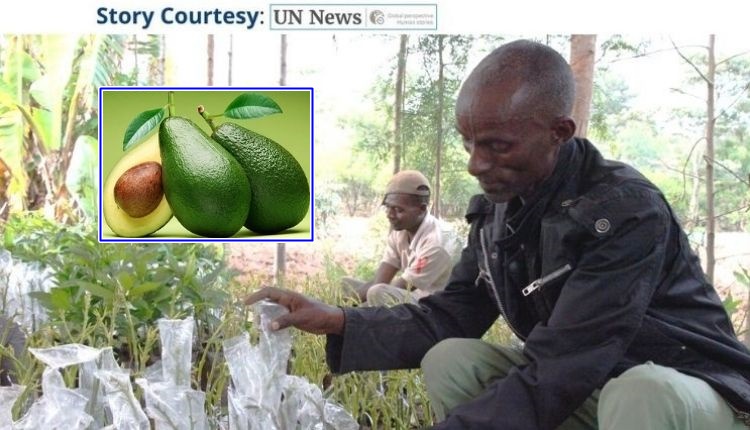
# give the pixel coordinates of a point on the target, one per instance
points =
(544, 279)
(488, 278)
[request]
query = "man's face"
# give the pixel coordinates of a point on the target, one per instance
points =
(510, 151)
(404, 212)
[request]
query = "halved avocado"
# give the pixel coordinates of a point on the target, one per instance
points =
(117, 219)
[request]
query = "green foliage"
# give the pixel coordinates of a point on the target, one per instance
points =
(82, 178)
(428, 111)
(45, 93)
(732, 128)
(609, 105)
(150, 47)
(251, 105)
(357, 192)
(618, 47)
(734, 306)
(327, 204)
(118, 290)
(112, 294)
(142, 125)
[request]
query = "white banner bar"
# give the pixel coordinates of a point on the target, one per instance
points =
(728, 17)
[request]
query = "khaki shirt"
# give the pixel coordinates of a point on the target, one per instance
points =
(425, 262)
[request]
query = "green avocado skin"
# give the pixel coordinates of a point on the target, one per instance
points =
(281, 192)
(205, 186)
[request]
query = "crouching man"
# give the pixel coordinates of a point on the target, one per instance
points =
(418, 246)
(584, 260)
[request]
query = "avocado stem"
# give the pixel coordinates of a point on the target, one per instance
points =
(207, 117)
(170, 103)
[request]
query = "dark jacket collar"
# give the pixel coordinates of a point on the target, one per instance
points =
(524, 220)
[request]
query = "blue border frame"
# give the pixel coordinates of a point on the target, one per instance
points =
(198, 240)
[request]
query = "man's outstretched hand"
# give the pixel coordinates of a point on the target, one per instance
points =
(305, 313)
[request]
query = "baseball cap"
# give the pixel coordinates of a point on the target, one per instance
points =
(408, 182)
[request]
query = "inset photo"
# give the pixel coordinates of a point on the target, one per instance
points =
(205, 164)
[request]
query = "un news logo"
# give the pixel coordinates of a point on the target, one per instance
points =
(377, 17)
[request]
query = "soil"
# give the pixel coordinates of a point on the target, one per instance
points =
(346, 242)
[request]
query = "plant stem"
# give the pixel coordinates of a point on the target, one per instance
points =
(207, 117)
(170, 103)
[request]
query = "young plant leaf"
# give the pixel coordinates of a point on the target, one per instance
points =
(95, 289)
(142, 288)
(251, 105)
(141, 126)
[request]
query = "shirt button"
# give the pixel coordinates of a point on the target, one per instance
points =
(493, 255)
(602, 225)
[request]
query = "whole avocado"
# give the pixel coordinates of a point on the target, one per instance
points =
(205, 186)
(281, 192)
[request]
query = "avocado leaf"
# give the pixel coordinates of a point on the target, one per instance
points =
(141, 126)
(251, 105)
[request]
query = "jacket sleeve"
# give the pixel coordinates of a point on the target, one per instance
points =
(597, 315)
(381, 338)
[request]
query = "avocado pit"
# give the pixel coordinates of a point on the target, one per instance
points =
(139, 190)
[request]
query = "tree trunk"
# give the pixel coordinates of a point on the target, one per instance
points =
(279, 263)
(162, 60)
(399, 104)
(229, 54)
(582, 55)
(210, 62)
(282, 62)
(136, 68)
(710, 122)
(694, 216)
(439, 125)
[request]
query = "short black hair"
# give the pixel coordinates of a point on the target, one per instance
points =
(545, 76)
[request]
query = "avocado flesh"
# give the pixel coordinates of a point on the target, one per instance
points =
(117, 219)
(281, 192)
(205, 186)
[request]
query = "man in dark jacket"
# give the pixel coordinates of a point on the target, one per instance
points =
(584, 260)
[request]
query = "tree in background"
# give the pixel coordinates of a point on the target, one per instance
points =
(210, 59)
(398, 105)
(720, 124)
(279, 261)
(582, 55)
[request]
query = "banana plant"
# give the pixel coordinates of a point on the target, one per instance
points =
(46, 90)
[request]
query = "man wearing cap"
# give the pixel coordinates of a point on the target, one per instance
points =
(417, 246)
(585, 261)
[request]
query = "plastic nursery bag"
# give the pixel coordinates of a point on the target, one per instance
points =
(126, 411)
(174, 408)
(105, 388)
(90, 387)
(263, 396)
(177, 348)
(8, 396)
(305, 406)
(17, 280)
(58, 408)
(169, 399)
(61, 356)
